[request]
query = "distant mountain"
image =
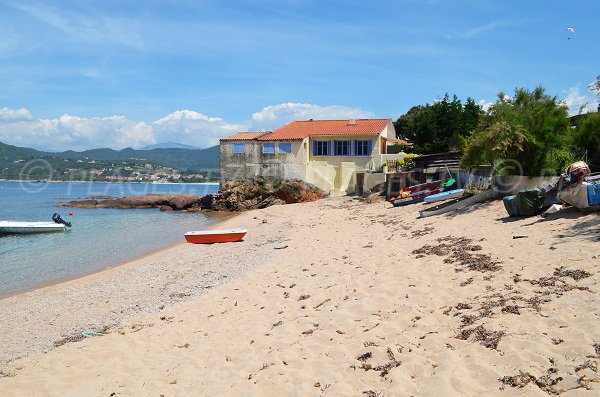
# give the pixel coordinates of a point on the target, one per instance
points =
(168, 145)
(181, 159)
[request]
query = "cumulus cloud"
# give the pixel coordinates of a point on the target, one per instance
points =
(579, 102)
(485, 105)
(68, 132)
(19, 127)
(10, 116)
(275, 116)
(193, 128)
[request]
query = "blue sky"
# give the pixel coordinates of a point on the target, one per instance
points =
(83, 74)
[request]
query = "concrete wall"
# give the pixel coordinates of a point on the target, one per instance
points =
(253, 162)
(511, 184)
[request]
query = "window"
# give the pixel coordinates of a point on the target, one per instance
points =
(341, 148)
(285, 147)
(268, 148)
(239, 148)
(362, 148)
(321, 148)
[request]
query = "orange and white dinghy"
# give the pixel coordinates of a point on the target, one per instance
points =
(215, 236)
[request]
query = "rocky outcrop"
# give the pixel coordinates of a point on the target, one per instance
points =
(234, 196)
(177, 202)
(260, 193)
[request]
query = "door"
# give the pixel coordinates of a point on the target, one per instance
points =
(360, 183)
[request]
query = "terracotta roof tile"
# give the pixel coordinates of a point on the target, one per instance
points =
(298, 130)
(245, 136)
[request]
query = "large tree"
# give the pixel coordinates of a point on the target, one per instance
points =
(586, 138)
(441, 126)
(531, 129)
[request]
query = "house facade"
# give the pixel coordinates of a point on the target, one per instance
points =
(338, 156)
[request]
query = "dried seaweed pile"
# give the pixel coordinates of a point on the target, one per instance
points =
(383, 369)
(546, 382)
(460, 252)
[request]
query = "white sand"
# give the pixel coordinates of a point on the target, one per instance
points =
(348, 285)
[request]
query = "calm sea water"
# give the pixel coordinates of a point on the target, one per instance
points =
(99, 238)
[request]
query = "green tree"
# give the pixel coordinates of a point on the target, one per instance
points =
(586, 138)
(527, 128)
(441, 126)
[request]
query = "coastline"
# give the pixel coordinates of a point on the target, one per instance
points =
(334, 297)
(226, 217)
(19, 302)
(112, 182)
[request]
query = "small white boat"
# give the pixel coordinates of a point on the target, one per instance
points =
(15, 227)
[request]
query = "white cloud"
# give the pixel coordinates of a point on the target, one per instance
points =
(193, 128)
(479, 30)
(72, 132)
(79, 26)
(579, 102)
(485, 105)
(67, 132)
(275, 116)
(9, 115)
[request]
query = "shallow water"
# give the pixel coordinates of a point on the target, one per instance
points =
(99, 238)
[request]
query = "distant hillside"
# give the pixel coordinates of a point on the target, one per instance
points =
(181, 159)
(168, 145)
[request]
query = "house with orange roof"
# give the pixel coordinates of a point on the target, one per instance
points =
(338, 156)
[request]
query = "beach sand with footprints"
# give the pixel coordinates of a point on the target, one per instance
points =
(338, 297)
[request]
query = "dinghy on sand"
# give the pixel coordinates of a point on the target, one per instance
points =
(215, 236)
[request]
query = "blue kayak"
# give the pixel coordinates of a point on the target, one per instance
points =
(444, 196)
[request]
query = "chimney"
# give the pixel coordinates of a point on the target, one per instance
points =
(352, 122)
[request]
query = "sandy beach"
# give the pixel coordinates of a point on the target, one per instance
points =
(337, 297)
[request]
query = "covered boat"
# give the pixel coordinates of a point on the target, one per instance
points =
(215, 236)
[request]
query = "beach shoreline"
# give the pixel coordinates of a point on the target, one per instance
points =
(334, 297)
(225, 217)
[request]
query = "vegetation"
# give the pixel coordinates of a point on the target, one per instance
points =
(182, 165)
(586, 139)
(439, 127)
(531, 129)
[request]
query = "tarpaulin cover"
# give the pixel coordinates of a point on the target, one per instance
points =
(593, 193)
(511, 205)
(529, 201)
(576, 195)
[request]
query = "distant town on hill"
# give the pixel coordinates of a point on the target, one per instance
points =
(166, 164)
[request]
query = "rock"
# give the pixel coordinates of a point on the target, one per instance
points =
(82, 204)
(234, 196)
(269, 201)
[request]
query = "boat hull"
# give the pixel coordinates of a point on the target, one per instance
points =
(444, 196)
(215, 236)
(416, 197)
(10, 227)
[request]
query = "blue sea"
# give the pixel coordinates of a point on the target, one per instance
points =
(98, 239)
